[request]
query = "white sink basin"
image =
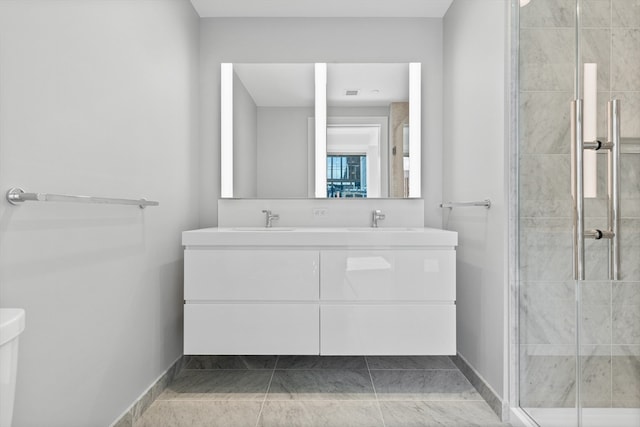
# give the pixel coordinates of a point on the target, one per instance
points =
(316, 236)
(383, 229)
(262, 229)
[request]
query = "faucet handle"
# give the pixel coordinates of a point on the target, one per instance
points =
(269, 217)
(375, 216)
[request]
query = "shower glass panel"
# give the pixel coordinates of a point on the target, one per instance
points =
(578, 340)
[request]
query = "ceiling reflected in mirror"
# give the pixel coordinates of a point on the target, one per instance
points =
(367, 85)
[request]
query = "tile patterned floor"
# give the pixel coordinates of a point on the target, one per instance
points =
(328, 391)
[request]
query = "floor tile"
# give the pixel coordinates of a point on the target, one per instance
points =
(423, 385)
(320, 414)
(410, 362)
(200, 414)
(331, 384)
(310, 391)
(231, 362)
(218, 385)
(321, 362)
(440, 414)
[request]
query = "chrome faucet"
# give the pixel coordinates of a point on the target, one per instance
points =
(270, 217)
(375, 216)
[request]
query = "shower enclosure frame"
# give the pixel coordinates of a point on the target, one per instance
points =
(519, 415)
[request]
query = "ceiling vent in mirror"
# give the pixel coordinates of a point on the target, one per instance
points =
(352, 92)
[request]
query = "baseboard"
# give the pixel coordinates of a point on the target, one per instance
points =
(137, 408)
(486, 391)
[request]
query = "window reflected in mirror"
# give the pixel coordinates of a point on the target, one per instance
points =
(346, 175)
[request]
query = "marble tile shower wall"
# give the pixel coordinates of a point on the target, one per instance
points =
(610, 312)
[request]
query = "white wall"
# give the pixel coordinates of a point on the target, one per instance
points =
(282, 151)
(99, 98)
(474, 169)
(245, 140)
(321, 40)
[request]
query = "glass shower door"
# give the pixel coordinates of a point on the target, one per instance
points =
(609, 295)
(579, 331)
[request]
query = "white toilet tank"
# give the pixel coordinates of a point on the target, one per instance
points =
(11, 326)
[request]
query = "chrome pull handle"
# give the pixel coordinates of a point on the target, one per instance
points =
(613, 187)
(577, 188)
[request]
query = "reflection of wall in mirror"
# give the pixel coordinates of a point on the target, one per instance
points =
(399, 118)
(245, 138)
(269, 146)
(282, 151)
(271, 106)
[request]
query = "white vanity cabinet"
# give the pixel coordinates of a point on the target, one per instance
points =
(251, 275)
(388, 275)
(388, 302)
(251, 301)
(328, 292)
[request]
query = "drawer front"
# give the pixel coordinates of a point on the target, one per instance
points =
(251, 329)
(388, 329)
(380, 275)
(269, 275)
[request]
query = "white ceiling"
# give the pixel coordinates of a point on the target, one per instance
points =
(322, 8)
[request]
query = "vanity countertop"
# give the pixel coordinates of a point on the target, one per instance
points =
(325, 236)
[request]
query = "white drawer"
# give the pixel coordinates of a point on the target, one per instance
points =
(251, 329)
(389, 275)
(419, 329)
(268, 275)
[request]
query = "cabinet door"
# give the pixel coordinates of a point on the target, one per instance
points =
(403, 329)
(251, 329)
(264, 275)
(388, 275)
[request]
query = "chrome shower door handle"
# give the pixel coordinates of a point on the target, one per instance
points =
(577, 188)
(613, 189)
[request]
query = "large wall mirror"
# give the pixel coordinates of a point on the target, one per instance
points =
(320, 130)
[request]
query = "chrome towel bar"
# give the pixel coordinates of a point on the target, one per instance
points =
(486, 203)
(18, 195)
